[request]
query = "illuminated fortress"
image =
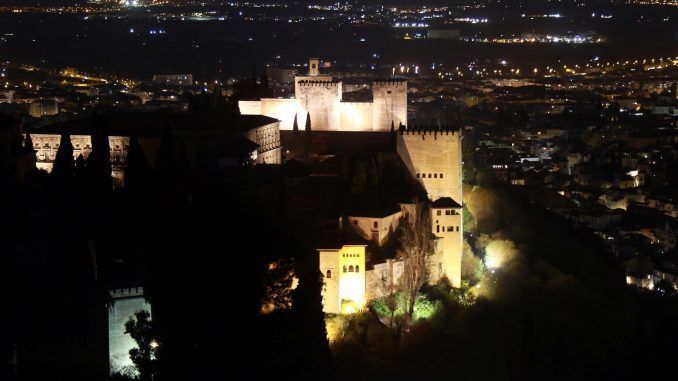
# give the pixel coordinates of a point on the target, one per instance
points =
(321, 97)
(432, 156)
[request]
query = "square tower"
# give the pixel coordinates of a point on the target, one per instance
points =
(389, 99)
(343, 273)
(433, 157)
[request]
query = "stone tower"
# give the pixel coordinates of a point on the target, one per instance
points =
(389, 103)
(433, 157)
(313, 67)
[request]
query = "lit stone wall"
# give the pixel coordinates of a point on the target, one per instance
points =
(47, 145)
(343, 290)
(268, 139)
(322, 100)
(434, 159)
(250, 108)
(429, 155)
(126, 302)
(355, 116)
(383, 278)
(447, 224)
(390, 104)
(376, 229)
(284, 110)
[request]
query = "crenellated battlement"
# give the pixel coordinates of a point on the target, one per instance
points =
(125, 293)
(307, 83)
(390, 82)
(429, 130)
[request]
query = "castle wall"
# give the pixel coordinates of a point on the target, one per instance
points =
(268, 139)
(284, 110)
(126, 302)
(429, 155)
(250, 107)
(321, 100)
(390, 104)
(356, 116)
(377, 229)
(434, 159)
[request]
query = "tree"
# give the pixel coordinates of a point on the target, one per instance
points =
(63, 162)
(141, 329)
(308, 138)
(295, 125)
(99, 160)
(416, 244)
(138, 170)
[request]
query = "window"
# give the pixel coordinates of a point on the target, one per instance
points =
(350, 268)
(429, 175)
(450, 228)
(457, 228)
(344, 268)
(357, 268)
(376, 224)
(437, 228)
(418, 175)
(329, 274)
(441, 175)
(439, 212)
(448, 212)
(435, 175)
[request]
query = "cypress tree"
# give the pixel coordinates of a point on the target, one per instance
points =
(64, 163)
(99, 160)
(308, 139)
(295, 125)
(28, 142)
(138, 170)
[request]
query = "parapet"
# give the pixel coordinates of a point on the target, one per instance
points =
(390, 81)
(311, 83)
(428, 130)
(126, 293)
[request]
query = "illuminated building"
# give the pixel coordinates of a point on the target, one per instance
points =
(256, 137)
(126, 302)
(321, 97)
(343, 271)
(433, 157)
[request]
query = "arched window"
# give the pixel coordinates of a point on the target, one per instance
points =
(435, 175)
(344, 268)
(357, 268)
(429, 175)
(441, 175)
(329, 274)
(418, 175)
(350, 268)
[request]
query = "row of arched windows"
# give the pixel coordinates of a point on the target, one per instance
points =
(430, 175)
(351, 269)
